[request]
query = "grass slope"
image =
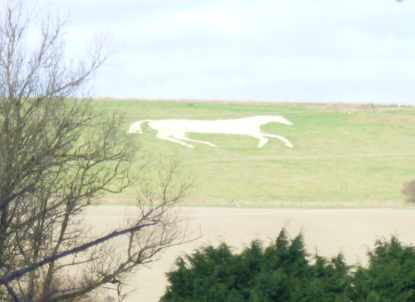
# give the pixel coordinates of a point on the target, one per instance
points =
(343, 153)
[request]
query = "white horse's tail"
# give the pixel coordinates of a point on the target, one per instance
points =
(136, 127)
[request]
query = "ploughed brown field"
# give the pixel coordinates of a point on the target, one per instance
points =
(327, 231)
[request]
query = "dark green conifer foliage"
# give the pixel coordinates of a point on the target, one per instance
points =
(281, 272)
(284, 272)
(390, 276)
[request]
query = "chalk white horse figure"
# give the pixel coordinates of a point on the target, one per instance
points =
(175, 130)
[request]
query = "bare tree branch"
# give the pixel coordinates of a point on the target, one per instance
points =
(11, 291)
(14, 275)
(58, 154)
(4, 203)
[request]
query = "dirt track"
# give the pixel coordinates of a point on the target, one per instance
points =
(327, 231)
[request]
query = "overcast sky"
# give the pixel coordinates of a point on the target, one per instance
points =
(262, 50)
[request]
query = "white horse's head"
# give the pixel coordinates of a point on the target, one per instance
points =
(274, 118)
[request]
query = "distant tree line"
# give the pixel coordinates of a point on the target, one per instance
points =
(284, 271)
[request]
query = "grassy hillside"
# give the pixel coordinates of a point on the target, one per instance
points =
(342, 153)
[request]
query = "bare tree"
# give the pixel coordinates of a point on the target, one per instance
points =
(57, 155)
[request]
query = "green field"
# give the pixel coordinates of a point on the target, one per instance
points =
(343, 153)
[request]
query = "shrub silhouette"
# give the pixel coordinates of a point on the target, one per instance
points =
(408, 189)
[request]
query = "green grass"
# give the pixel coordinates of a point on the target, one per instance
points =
(343, 153)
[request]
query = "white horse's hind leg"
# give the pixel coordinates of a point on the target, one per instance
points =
(181, 136)
(286, 142)
(168, 138)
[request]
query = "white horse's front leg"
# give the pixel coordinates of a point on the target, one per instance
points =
(262, 140)
(286, 142)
